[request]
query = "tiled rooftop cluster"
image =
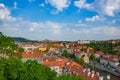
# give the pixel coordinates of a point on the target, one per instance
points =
(63, 65)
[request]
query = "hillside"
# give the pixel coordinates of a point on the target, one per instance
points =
(19, 39)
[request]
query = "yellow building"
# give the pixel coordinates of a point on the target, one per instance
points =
(85, 58)
(52, 48)
(43, 48)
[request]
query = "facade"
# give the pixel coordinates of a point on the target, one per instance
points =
(33, 55)
(110, 60)
(90, 50)
(56, 63)
(83, 41)
(82, 55)
(42, 48)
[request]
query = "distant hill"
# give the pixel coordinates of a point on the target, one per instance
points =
(19, 39)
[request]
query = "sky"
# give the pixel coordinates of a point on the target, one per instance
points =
(61, 19)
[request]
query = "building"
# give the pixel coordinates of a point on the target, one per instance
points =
(42, 48)
(110, 60)
(83, 41)
(90, 50)
(99, 53)
(82, 55)
(32, 55)
(56, 63)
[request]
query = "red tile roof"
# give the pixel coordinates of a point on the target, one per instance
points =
(76, 69)
(100, 52)
(34, 54)
(54, 62)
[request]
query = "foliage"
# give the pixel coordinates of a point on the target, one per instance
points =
(19, 39)
(80, 61)
(68, 77)
(64, 44)
(8, 47)
(92, 57)
(106, 47)
(68, 55)
(14, 69)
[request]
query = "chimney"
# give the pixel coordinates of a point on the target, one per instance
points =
(46, 60)
(108, 77)
(101, 78)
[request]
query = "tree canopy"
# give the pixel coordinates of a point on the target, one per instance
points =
(14, 69)
(69, 77)
(68, 55)
(8, 48)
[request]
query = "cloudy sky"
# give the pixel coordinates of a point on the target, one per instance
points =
(61, 19)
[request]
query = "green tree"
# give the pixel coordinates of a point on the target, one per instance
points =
(37, 71)
(14, 69)
(68, 55)
(8, 48)
(80, 61)
(92, 57)
(69, 77)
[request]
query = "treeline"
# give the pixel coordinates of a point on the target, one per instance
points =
(105, 47)
(19, 39)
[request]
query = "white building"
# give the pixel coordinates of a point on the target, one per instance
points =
(83, 41)
(109, 61)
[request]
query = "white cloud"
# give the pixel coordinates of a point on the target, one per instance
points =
(5, 13)
(81, 4)
(107, 7)
(102, 7)
(20, 27)
(80, 24)
(58, 4)
(48, 26)
(95, 18)
(102, 31)
(15, 5)
(105, 31)
(50, 30)
(31, 1)
(114, 21)
(111, 31)
(42, 5)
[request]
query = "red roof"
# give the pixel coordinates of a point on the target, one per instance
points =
(76, 69)
(100, 52)
(54, 62)
(34, 54)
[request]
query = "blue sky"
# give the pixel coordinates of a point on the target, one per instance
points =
(61, 19)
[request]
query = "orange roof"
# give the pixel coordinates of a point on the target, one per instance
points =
(34, 54)
(99, 52)
(76, 69)
(54, 62)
